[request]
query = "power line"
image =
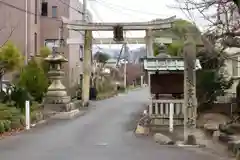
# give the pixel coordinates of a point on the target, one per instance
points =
(62, 1)
(114, 9)
(77, 10)
(95, 11)
(129, 9)
(55, 19)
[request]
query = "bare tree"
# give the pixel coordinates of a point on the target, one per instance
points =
(9, 35)
(223, 17)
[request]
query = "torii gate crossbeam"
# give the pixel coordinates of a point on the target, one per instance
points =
(151, 25)
(130, 40)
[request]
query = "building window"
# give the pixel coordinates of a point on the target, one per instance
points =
(50, 43)
(234, 67)
(54, 11)
(35, 43)
(44, 8)
(36, 11)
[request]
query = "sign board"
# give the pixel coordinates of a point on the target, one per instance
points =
(154, 64)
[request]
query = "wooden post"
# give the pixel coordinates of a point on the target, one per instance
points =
(171, 123)
(190, 100)
(86, 67)
(141, 80)
(149, 48)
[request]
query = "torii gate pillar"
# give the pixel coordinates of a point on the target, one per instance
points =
(149, 43)
(149, 48)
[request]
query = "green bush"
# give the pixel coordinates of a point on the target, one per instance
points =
(35, 106)
(36, 116)
(19, 96)
(16, 124)
(34, 80)
(5, 115)
(7, 125)
(33, 116)
(20, 118)
(2, 129)
(11, 118)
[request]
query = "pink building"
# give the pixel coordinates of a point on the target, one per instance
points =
(42, 26)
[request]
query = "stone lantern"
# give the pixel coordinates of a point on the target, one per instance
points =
(56, 97)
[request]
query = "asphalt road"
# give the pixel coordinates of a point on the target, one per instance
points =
(105, 133)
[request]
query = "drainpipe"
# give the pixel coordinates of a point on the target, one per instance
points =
(26, 32)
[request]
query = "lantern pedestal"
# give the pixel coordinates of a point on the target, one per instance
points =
(57, 102)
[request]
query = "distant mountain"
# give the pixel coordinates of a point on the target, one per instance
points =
(132, 56)
(137, 54)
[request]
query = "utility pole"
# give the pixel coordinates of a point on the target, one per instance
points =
(86, 59)
(125, 61)
(60, 38)
(26, 32)
(125, 67)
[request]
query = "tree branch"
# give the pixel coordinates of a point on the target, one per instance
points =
(9, 35)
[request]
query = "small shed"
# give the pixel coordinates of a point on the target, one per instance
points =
(166, 82)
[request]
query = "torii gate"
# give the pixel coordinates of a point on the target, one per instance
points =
(160, 24)
(80, 25)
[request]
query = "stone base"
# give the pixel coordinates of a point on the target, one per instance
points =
(140, 130)
(62, 107)
(182, 144)
(68, 115)
(57, 100)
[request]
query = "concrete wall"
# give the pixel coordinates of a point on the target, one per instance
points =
(34, 28)
(12, 17)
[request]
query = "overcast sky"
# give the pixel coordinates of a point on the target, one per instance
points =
(135, 10)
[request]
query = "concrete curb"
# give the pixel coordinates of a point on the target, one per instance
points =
(68, 115)
(191, 146)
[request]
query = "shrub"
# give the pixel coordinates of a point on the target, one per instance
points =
(34, 80)
(16, 124)
(5, 115)
(35, 106)
(2, 129)
(19, 96)
(7, 125)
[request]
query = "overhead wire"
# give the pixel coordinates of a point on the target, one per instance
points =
(77, 10)
(55, 19)
(117, 7)
(129, 9)
(114, 9)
